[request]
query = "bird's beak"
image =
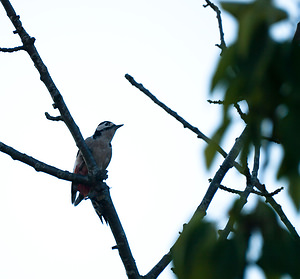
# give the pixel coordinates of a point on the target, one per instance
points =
(118, 126)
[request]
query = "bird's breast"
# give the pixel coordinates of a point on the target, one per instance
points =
(102, 153)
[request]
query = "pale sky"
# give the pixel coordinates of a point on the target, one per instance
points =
(157, 174)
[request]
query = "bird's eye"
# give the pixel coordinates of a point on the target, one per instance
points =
(107, 124)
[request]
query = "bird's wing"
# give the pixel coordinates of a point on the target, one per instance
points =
(80, 168)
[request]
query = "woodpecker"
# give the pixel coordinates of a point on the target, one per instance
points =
(100, 146)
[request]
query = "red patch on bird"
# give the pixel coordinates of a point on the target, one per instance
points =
(83, 189)
(81, 170)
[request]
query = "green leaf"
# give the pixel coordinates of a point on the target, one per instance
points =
(193, 251)
(265, 74)
(280, 252)
(198, 254)
(224, 71)
(252, 17)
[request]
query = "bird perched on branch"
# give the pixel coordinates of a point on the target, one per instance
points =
(100, 146)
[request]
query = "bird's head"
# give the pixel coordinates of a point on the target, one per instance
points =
(106, 128)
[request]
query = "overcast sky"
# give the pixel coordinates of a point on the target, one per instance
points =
(157, 174)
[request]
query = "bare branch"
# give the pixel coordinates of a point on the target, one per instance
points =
(240, 112)
(104, 207)
(222, 45)
(270, 200)
(13, 49)
(238, 192)
(251, 182)
(226, 165)
(277, 207)
(166, 108)
(215, 102)
(236, 106)
(238, 207)
(212, 190)
(269, 196)
(42, 167)
(53, 118)
(159, 267)
(28, 44)
(180, 119)
(107, 206)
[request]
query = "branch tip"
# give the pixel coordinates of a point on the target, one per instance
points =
(262, 194)
(53, 118)
(12, 49)
(222, 45)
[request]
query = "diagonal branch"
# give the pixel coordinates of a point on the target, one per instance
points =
(220, 174)
(113, 220)
(169, 111)
(103, 198)
(244, 195)
(226, 165)
(277, 207)
(28, 44)
(159, 267)
(42, 167)
(103, 205)
(252, 181)
(181, 119)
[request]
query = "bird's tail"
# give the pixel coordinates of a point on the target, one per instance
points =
(82, 191)
(99, 210)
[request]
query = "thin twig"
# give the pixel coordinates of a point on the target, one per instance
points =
(253, 181)
(180, 119)
(10, 50)
(226, 165)
(53, 118)
(240, 112)
(269, 197)
(215, 102)
(238, 192)
(168, 110)
(222, 45)
(277, 207)
(223, 234)
(250, 182)
(159, 267)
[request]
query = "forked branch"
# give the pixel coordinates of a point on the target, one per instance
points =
(28, 45)
(242, 170)
(108, 207)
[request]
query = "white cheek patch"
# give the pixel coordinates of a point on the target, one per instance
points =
(104, 125)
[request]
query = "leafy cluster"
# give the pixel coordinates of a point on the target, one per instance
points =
(264, 73)
(200, 254)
